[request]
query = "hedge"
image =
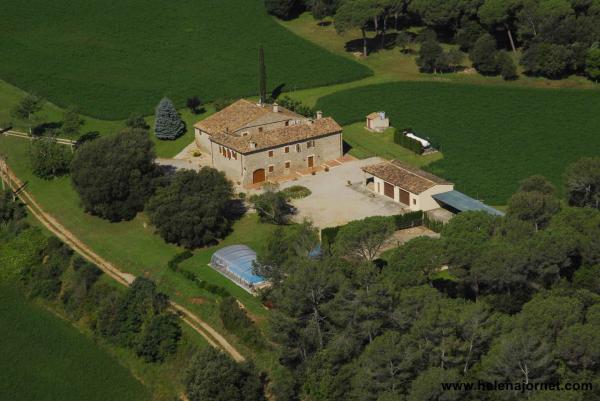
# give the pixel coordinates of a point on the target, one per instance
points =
(409, 143)
(433, 225)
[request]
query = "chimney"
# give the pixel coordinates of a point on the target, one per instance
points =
(252, 145)
(319, 114)
(275, 108)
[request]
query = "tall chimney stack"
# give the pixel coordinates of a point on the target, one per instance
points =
(275, 108)
(319, 114)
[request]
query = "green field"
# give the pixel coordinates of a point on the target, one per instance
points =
(491, 137)
(114, 58)
(46, 359)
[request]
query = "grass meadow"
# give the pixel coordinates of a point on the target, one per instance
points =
(46, 359)
(491, 137)
(110, 59)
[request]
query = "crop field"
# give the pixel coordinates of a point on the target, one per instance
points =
(113, 58)
(491, 137)
(45, 359)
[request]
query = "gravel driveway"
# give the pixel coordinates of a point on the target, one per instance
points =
(333, 202)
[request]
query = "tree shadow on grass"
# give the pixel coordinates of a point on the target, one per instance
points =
(45, 128)
(275, 93)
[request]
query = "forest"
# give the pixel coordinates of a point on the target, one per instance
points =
(550, 38)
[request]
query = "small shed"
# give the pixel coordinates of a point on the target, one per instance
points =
(235, 262)
(377, 121)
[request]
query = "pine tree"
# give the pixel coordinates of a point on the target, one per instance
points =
(262, 74)
(168, 121)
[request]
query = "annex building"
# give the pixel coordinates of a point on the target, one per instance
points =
(416, 189)
(252, 143)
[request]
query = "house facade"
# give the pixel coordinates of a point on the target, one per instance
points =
(252, 143)
(407, 185)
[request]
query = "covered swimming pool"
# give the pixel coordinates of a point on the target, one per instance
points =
(235, 262)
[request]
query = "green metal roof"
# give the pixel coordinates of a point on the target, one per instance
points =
(464, 203)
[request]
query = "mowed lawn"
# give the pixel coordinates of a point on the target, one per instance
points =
(491, 136)
(46, 359)
(113, 58)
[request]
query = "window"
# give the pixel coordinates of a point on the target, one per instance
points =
(260, 129)
(224, 152)
(310, 144)
(287, 123)
(228, 154)
(270, 153)
(414, 201)
(234, 154)
(298, 148)
(271, 168)
(286, 149)
(287, 164)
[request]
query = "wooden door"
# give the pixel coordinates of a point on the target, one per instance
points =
(311, 161)
(388, 190)
(404, 196)
(258, 175)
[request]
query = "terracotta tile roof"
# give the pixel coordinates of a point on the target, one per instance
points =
(241, 114)
(278, 137)
(404, 176)
(373, 115)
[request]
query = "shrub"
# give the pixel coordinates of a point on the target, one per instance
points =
(272, 206)
(177, 259)
(280, 8)
(409, 143)
(433, 225)
(506, 65)
(547, 59)
(407, 220)
(114, 175)
(296, 106)
(136, 121)
(236, 320)
(169, 124)
(483, 55)
(296, 192)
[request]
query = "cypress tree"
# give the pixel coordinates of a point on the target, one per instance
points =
(168, 123)
(262, 74)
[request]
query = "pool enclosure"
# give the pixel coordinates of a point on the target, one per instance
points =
(235, 262)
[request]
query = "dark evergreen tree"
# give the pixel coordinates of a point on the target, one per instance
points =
(483, 55)
(114, 175)
(262, 76)
(169, 124)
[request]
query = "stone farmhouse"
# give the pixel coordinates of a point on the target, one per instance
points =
(252, 143)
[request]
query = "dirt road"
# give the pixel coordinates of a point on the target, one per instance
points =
(210, 334)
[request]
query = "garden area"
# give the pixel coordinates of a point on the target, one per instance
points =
(491, 137)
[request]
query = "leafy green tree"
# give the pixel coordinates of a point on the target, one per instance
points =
(431, 57)
(213, 376)
(414, 262)
(588, 277)
(499, 13)
(547, 314)
(454, 58)
(583, 183)
(534, 207)
(27, 108)
(428, 385)
(136, 121)
(43, 276)
(537, 183)
(592, 64)
(192, 210)
(159, 337)
(272, 205)
(468, 34)
(577, 345)
(262, 76)
(11, 209)
(363, 239)
(356, 14)
(547, 59)
(114, 175)
(519, 357)
(483, 55)
(506, 65)
(48, 158)
(168, 124)
(72, 122)
(280, 8)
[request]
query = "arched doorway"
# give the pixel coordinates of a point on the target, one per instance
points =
(258, 176)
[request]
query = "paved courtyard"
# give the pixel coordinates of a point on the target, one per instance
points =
(334, 201)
